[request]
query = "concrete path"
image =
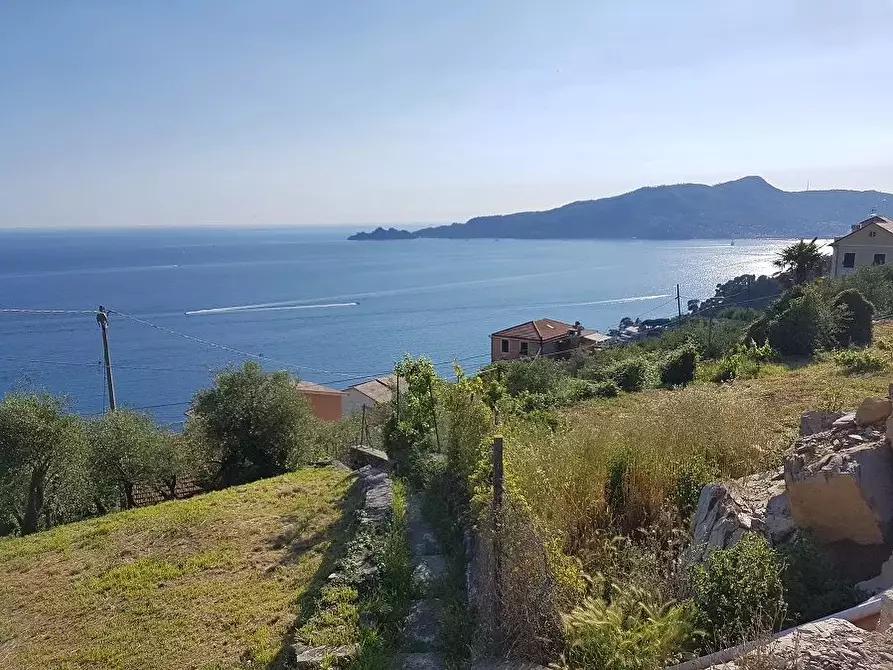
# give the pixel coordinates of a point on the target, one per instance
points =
(429, 567)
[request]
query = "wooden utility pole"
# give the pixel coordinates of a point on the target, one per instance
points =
(678, 303)
(103, 320)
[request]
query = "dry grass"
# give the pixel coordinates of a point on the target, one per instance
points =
(644, 440)
(211, 582)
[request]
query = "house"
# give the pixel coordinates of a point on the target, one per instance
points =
(542, 337)
(324, 401)
(870, 242)
(369, 394)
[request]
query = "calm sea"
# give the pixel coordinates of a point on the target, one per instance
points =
(333, 311)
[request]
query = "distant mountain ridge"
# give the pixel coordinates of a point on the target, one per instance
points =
(745, 208)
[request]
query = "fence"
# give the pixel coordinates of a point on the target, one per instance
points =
(510, 579)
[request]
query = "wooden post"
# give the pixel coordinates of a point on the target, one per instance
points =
(678, 303)
(434, 413)
(497, 524)
(103, 320)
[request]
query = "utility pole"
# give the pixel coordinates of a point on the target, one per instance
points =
(678, 303)
(103, 320)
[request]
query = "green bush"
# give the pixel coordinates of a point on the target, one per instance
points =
(758, 331)
(540, 375)
(855, 313)
(691, 476)
(678, 367)
(805, 326)
(859, 360)
(739, 592)
(605, 389)
(628, 631)
(633, 374)
(743, 362)
(812, 582)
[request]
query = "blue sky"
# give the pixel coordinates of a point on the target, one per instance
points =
(155, 112)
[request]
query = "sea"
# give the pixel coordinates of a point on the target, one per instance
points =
(185, 303)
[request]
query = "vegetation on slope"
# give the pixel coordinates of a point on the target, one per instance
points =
(216, 581)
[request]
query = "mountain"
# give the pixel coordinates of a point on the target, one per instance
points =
(745, 208)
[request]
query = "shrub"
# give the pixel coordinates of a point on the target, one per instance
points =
(758, 331)
(692, 475)
(605, 389)
(859, 360)
(541, 375)
(626, 631)
(855, 314)
(739, 592)
(744, 362)
(678, 367)
(813, 584)
(633, 374)
(805, 326)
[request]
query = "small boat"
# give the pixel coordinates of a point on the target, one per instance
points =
(732, 244)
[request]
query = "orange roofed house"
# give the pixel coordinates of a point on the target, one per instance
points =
(542, 337)
(324, 401)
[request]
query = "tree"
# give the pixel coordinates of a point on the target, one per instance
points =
(250, 424)
(801, 262)
(678, 367)
(41, 454)
(803, 324)
(128, 450)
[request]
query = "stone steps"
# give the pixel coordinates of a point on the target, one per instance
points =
(429, 568)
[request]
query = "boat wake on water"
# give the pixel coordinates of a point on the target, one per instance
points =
(267, 307)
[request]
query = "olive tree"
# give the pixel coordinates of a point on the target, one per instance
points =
(127, 450)
(42, 480)
(250, 424)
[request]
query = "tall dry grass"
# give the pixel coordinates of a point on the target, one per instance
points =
(619, 471)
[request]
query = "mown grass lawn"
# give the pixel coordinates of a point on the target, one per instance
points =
(211, 582)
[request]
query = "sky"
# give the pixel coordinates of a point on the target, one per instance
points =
(227, 112)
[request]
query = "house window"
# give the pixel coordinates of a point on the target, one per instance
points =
(849, 260)
(505, 346)
(873, 233)
(880, 259)
(524, 349)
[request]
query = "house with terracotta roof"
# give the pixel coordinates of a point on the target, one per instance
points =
(542, 337)
(869, 242)
(369, 394)
(325, 402)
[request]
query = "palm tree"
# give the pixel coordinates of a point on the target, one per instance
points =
(801, 262)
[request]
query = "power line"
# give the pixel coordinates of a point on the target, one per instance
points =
(223, 347)
(25, 310)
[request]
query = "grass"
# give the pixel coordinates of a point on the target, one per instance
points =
(613, 464)
(211, 582)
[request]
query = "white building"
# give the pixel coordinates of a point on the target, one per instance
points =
(870, 242)
(379, 391)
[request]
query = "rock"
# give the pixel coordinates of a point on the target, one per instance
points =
(883, 581)
(846, 421)
(886, 618)
(888, 430)
(303, 657)
(360, 455)
(422, 623)
(379, 494)
(423, 661)
(428, 569)
(843, 495)
(727, 510)
(816, 421)
(873, 410)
